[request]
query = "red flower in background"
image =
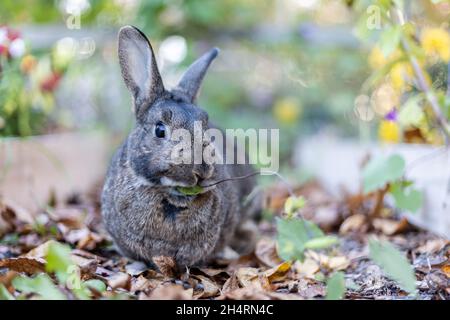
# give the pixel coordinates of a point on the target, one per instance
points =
(12, 34)
(3, 50)
(51, 82)
(11, 43)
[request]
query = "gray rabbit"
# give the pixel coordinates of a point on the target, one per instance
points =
(142, 207)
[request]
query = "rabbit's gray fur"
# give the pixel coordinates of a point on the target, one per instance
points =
(144, 214)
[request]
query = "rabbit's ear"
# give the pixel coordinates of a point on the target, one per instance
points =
(192, 78)
(139, 69)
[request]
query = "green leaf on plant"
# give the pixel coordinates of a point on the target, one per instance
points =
(190, 191)
(321, 242)
(293, 234)
(96, 284)
(390, 39)
(41, 285)
(292, 204)
(406, 197)
(336, 286)
(394, 264)
(59, 260)
(4, 293)
(411, 114)
(381, 170)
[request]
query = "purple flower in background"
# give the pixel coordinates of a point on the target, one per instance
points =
(392, 115)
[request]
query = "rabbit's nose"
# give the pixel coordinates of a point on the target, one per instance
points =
(203, 171)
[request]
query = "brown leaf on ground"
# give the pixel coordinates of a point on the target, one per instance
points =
(83, 238)
(309, 290)
(446, 270)
(337, 263)
(231, 284)
(433, 246)
(143, 284)
(24, 264)
(390, 226)
(210, 288)
(266, 252)
(278, 273)
(40, 251)
(247, 276)
(213, 272)
(6, 279)
(169, 292)
(120, 280)
(247, 293)
(354, 223)
(70, 217)
(12, 216)
(308, 268)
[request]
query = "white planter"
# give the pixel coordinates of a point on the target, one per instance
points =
(33, 168)
(337, 164)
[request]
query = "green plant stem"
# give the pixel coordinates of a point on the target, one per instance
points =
(423, 85)
(380, 194)
(431, 97)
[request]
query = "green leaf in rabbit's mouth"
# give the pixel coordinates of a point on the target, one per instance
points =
(190, 191)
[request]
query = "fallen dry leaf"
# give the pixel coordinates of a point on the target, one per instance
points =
(143, 284)
(354, 223)
(170, 292)
(119, 280)
(336, 263)
(246, 276)
(213, 272)
(266, 252)
(309, 290)
(70, 217)
(432, 246)
(246, 293)
(446, 270)
(210, 288)
(7, 277)
(40, 251)
(84, 238)
(24, 264)
(389, 226)
(231, 284)
(308, 268)
(277, 273)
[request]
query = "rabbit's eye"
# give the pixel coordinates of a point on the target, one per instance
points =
(160, 130)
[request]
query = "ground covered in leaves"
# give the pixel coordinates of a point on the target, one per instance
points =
(34, 264)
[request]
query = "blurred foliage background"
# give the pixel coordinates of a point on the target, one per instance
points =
(297, 65)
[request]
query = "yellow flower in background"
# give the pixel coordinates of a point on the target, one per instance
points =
(399, 73)
(287, 110)
(376, 58)
(389, 131)
(28, 63)
(436, 41)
